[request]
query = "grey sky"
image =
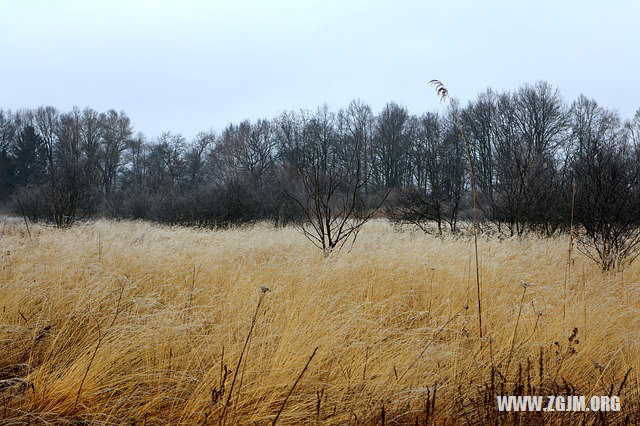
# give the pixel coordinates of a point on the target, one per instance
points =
(186, 66)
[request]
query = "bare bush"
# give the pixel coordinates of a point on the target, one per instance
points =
(607, 187)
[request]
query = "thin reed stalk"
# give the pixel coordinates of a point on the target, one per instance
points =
(515, 328)
(244, 348)
(100, 339)
(567, 275)
(443, 92)
(294, 386)
(433, 339)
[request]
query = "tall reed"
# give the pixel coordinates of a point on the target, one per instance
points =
(443, 93)
(567, 275)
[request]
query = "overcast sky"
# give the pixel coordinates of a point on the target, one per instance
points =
(186, 66)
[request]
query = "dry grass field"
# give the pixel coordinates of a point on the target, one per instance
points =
(130, 322)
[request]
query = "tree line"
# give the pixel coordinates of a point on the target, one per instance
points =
(531, 151)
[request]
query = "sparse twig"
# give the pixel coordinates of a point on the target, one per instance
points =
(624, 381)
(294, 386)
(429, 344)
(246, 342)
(515, 328)
(100, 339)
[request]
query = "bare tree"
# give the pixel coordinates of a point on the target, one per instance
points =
(393, 146)
(356, 126)
(607, 186)
(46, 121)
(515, 138)
(136, 159)
(328, 186)
(196, 157)
(116, 134)
(437, 182)
(92, 128)
(7, 162)
(245, 152)
(480, 121)
(166, 163)
(633, 129)
(67, 194)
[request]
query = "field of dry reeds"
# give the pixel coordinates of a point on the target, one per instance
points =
(130, 322)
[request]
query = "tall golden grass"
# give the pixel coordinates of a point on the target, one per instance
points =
(132, 322)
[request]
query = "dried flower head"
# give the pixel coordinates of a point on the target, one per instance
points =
(525, 284)
(441, 90)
